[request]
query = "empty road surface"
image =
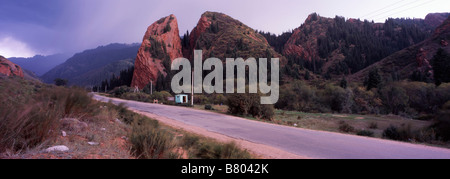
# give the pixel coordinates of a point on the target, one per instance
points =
(302, 142)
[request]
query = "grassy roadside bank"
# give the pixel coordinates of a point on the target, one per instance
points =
(36, 116)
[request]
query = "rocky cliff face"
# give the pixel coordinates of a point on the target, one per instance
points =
(303, 42)
(9, 69)
(436, 19)
(202, 25)
(444, 28)
(160, 46)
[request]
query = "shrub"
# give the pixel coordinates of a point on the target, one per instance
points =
(190, 141)
(426, 135)
(30, 113)
(391, 133)
(373, 125)
(441, 66)
(288, 99)
(374, 79)
(421, 96)
(365, 101)
(394, 98)
(365, 133)
(218, 99)
(209, 150)
(60, 82)
(442, 125)
(249, 104)
(201, 99)
(338, 98)
(185, 105)
(160, 21)
(119, 91)
(304, 98)
(167, 28)
(209, 107)
(156, 48)
(267, 112)
(345, 127)
(231, 151)
(148, 141)
(77, 102)
(137, 97)
(161, 96)
(27, 125)
(240, 103)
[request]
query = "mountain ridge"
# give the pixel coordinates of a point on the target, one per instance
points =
(80, 64)
(40, 64)
(339, 46)
(416, 58)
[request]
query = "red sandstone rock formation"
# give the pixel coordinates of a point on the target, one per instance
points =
(202, 25)
(8, 68)
(147, 66)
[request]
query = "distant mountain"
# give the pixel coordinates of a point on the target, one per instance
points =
(414, 60)
(90, 67)
(40, 64)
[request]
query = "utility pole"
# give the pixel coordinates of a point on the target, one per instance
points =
(192, 89)
(151, 87)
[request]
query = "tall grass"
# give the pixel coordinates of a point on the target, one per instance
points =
(209, 149)
(30, 112)
(149, 141)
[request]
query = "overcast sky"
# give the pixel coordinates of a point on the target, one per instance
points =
(30, 27)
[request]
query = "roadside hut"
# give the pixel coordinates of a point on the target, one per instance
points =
(181, 98)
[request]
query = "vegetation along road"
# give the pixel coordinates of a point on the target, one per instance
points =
(301, 142)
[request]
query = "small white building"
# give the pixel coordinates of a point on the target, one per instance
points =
(181, 98)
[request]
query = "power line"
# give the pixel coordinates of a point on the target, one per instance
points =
(406, 9)
(391, 9)
(381, 9)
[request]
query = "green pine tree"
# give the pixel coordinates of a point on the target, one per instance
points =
(441, 67)
(374, 79)
(343, 83)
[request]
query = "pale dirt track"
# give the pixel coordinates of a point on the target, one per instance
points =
(275, 141)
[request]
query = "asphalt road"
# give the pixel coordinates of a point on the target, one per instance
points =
(303, 142)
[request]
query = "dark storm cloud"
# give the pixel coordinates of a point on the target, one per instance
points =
(31, 22)
(54, 26)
